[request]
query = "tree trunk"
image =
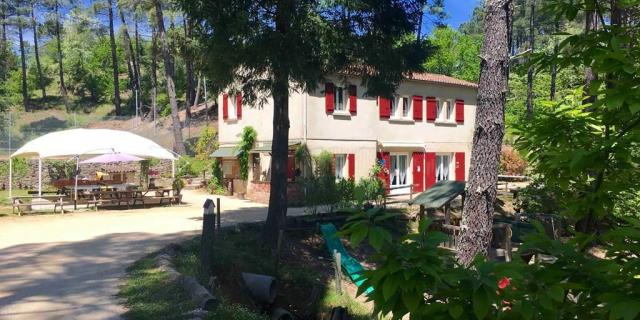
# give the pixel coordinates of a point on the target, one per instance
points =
(154, 67)
(190, 92)
(137, 64)
(63, 88)
(554, 66)
(178, 144)
(114, 61)
(37, 54)
(197, 95)
(23, 63)
(131, 58)
(591, 24)
(4, 38)
(530, 71)
(277, 213)
(480, 194)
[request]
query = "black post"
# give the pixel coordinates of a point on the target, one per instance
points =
(218, 208)
(208, 237)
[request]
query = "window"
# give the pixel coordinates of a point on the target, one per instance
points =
(233, 107)
(443, 163)
(445, 111)
(400, 108)
(341, 164)
(399, 168)
(339, 100)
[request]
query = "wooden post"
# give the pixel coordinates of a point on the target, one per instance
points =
(218, 211)
(447, 213)
(338, 271)
(208, 238)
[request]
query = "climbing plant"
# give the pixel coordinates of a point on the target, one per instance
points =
(247, 139)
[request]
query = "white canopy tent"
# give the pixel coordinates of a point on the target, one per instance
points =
(82, 142)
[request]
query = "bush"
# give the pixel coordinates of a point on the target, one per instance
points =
(206, 143)
(371, 188)
(511, 163)
(538, 197)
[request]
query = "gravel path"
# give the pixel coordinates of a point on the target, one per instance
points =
(70, 266)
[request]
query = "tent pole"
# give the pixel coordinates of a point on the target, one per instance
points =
(39, 176)
(10, 177)
(75, 188)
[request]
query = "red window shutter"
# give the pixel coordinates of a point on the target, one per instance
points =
(328, 97)
(429, 169)
(418, 171)
(431, 109)
(460, 111)
(460, 166)
(291, 168)
(353, 99)
(385, 107)
(351, 162)
(239, 105)
(225, 106)
(417, 108)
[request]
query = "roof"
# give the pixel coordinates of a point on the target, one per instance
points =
(226, 152)
(439, 194)
(418, 76)
(442, 79)
(84, 142)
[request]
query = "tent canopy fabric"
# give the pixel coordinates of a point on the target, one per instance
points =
(439, 194)
(79, 142)
(112, 157)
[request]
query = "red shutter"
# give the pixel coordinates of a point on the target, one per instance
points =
(460, 166)
(417, 108)
(291, 168)
(351, 162)
(225, 106)
(431, 109)
(430, 169)
(353, 99)
(460, 111)
(418, 171)
(328, 97)
(239, 105)
(385, 107)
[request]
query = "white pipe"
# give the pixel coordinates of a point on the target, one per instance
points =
(10, 177)
(75, 188)
(39, 176)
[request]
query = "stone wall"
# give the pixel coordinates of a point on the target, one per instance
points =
(259, 191)
(30, 180)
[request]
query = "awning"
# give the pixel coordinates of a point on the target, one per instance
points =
(439, 194)
(266, 146)
(226, 152)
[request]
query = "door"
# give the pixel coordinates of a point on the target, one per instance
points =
(418, 171)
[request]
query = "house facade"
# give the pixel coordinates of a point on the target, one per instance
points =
(421, 135)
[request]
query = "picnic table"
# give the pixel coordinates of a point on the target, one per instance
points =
(26, 203)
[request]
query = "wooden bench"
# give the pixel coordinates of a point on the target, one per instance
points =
(25, 204)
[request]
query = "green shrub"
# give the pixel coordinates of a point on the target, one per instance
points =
(537, 197)
(20, 168)
(247, 139)
(207, 143)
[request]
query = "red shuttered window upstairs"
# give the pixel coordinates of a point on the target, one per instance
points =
(385, 107)
(225, 106)
(460, 111)
(328, 97)
(431, 109)
(417, 108)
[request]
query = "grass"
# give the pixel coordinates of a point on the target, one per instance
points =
(5, 202)
(300, 273)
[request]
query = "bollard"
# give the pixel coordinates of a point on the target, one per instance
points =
(208, 238)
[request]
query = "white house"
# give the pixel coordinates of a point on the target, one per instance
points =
(423, 134)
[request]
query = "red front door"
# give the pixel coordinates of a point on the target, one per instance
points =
(418, 171)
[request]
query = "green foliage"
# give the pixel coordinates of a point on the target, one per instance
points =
(537, 197)
(178, 184)
(511, 163)
(321, 189)
(144, 173)
(247, 139)
(216, 182)
(59, 169)
(457, 54)
(207, 143)
(415, 275)
(371, 188)
(19, 167)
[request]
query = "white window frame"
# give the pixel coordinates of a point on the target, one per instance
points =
(233, 105)
(340, 166)
(339, 93)
(445, 115)
(393, 173)
(444, 173)
(398, 104)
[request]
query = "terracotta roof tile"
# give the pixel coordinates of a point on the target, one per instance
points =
(439, 78)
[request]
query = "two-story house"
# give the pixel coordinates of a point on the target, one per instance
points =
(423, 134)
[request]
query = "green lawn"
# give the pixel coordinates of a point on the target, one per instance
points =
(5, 202)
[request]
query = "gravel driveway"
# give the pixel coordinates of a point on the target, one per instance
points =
(70, 266)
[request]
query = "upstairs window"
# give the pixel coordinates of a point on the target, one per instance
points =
(445, 110)
(339, 99)
(233, 110)
(401, 108)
